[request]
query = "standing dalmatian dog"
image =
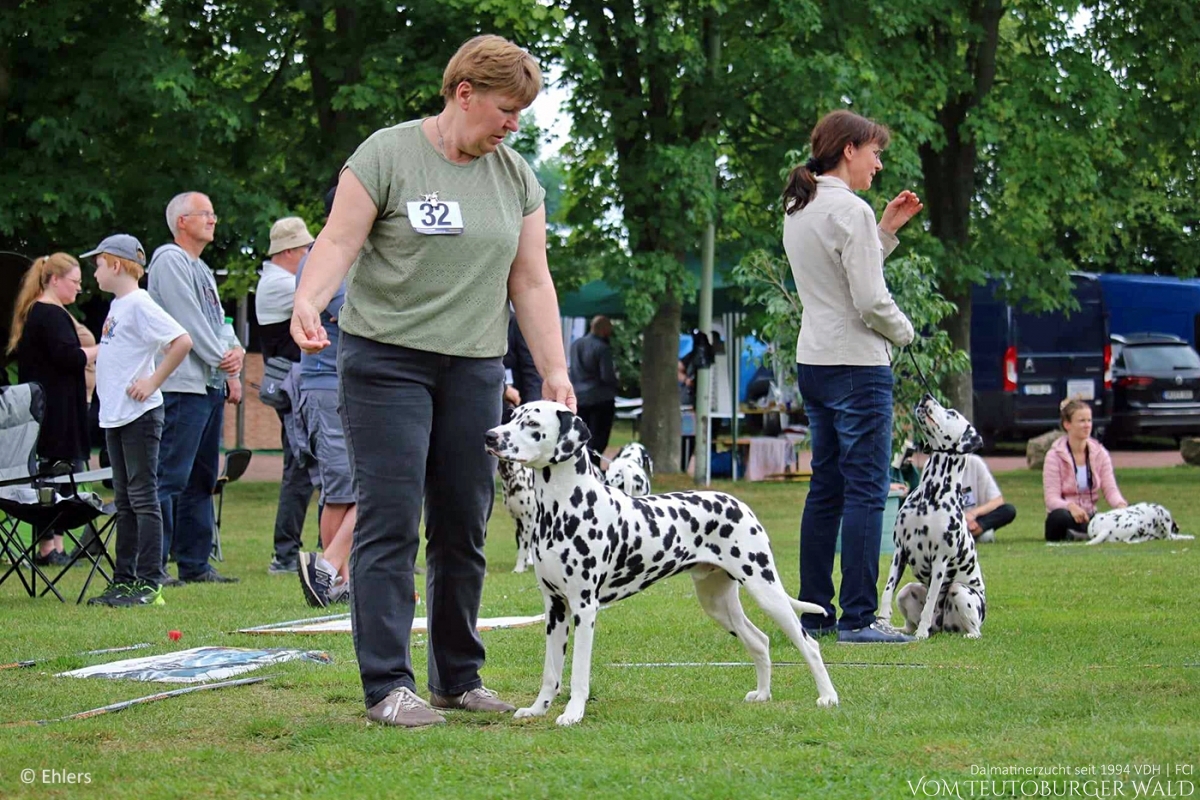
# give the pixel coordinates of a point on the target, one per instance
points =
(593, 545)
(932, 537)
(1140, 522)
(631, 470)
(517, 482)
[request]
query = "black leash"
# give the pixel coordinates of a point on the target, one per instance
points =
(920, 374)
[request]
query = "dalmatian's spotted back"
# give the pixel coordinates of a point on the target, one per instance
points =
(630, 470)
(594, 545)
(932, 538)
(1140, 522)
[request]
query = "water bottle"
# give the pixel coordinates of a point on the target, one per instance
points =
(229, 336)
(229, 341)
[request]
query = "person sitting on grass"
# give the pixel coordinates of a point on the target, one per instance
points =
(1077, 467)
(131, 415)
(985, 508)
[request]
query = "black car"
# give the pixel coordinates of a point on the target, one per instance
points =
(1156, 386)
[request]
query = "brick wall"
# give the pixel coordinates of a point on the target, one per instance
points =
(262, 425)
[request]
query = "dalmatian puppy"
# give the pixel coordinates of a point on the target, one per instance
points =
(594, 545)
(1140, 522)
(631, 470)
(932, 537)
(517, 483)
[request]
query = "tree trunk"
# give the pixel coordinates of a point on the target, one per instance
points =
(661, 425)
(958, 388)
(949, 181)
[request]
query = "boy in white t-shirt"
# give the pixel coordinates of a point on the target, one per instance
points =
(985, 507)
(131, 414)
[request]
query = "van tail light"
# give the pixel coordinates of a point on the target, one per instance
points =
(1108, 366)
(1133, 381)
(1010, 369)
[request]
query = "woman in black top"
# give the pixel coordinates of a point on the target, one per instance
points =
(48, 352)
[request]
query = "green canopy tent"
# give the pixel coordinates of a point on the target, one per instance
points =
(600, 297)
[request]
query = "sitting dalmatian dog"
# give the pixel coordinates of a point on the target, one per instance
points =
(517, 483)
(594, 545)
(1140, 522)
(932, 537)
(631, 470)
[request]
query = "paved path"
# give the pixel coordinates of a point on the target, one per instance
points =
(266, 466)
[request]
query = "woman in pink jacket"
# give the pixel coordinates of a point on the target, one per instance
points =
(1077, 467)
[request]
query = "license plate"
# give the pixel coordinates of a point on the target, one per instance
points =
(1038, 388)
(1084, 390)
(1177, 394)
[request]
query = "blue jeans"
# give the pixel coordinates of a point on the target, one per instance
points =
(187, 474)
(850, 423)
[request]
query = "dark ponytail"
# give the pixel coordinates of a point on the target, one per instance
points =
(829, 139)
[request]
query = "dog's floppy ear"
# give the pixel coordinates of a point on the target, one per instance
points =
(647, 462)
(572, 436)
(970, 441)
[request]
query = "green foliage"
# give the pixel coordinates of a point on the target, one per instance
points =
(769, 286)
(627, 357)
(255, 104)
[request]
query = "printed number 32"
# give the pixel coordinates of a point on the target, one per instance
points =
(435, 214)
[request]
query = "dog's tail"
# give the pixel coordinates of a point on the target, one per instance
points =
(806, 608)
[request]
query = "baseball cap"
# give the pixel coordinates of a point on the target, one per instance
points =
(287, 233)
(121, 245)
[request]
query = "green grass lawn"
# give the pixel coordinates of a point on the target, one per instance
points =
(1088, 659)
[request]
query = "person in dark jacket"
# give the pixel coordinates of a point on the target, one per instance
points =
(595, 381)
(49, 353)
(523, 383)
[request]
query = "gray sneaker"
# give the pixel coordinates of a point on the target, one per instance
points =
(879, 632)
(987, 537)
(404, 709)
(339, 592)
(286, 567)
(480, 699)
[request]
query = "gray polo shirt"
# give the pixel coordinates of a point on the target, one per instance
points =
(836, 251)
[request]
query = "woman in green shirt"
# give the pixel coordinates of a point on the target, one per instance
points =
(436, 225)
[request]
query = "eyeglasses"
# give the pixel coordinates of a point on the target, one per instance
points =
(205, 214)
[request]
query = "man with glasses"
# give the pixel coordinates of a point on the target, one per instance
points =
(195, 393)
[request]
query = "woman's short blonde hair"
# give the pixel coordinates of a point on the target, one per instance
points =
(493, 64)
(131, 268)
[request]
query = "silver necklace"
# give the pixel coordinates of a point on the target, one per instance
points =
(437, 121)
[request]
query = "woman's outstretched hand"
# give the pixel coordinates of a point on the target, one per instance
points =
(904, 207)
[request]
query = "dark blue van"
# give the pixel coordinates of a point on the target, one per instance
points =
(1151, 303)
(1024, 365)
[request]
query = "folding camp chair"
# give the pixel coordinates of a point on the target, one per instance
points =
(44, 499)
(236, 462)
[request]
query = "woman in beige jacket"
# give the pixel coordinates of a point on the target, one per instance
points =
(849, 327)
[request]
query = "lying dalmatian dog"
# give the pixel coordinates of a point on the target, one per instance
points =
(631, 470)
(1140, 522)
(932, 537)
(594, 545)
(517, 483)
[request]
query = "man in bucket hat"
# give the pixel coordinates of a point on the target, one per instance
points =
(290, 241)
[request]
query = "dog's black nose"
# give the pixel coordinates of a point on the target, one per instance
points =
(491, 439)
